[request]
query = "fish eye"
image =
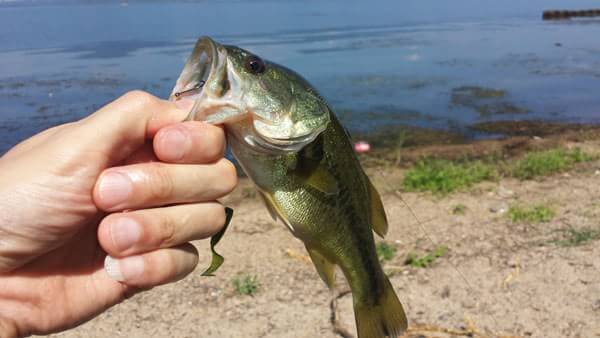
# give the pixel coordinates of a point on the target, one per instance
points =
(255, 65)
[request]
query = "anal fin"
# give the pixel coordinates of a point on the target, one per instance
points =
(378, 218)
(325, 267)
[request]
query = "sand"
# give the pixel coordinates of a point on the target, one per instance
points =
(497, 279)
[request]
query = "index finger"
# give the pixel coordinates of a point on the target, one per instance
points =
(122, 126)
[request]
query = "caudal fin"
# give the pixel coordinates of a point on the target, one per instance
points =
(384, 318)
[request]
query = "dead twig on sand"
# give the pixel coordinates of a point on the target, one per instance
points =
(335, 320)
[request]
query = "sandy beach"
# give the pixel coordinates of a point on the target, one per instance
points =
(496, 277)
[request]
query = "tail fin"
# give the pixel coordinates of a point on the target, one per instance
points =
(386, 318)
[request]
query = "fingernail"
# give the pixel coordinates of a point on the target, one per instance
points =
(124, 269)
(175, 144)
(114, 188)
(125, 232)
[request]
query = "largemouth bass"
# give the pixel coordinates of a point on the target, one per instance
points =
(294, 149)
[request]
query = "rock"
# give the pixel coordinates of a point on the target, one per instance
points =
(445, 292)
(596, 305)
(499, 209)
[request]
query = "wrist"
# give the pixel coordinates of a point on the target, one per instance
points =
(7, 329)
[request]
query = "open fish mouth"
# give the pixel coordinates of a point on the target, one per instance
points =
(205, 81)
(196, 71)
(223, 92)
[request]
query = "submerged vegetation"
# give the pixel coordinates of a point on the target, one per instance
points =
(486, 101)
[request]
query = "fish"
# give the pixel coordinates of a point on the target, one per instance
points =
(300, 158)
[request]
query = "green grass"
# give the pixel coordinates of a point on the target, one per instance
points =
(385, 252)
(535, 214)
(548, 162)
(443, 177)
(426, 260)
(574, 237)
(245, 285)
(459, 209)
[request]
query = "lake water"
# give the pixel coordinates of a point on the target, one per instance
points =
(426, 63)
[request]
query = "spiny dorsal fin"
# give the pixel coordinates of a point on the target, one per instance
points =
(325, 267)
(378, 218)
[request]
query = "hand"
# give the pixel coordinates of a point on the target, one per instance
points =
(128, 180)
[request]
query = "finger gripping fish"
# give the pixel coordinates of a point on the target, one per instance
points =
(299, 157)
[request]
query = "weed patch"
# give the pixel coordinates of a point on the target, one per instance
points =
(245, 285)
(536, 214)
(576, 237)
(426, 260)
(548, 162)
(459, 209)
(443, 177)
(385, 252)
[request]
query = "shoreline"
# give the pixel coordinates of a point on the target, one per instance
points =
(404, 145)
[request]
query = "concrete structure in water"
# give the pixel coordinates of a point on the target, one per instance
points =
(565, 15)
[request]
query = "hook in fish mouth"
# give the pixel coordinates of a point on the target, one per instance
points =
(192, 91)
(205, 80)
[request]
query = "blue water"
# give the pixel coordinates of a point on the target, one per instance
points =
(378, 63)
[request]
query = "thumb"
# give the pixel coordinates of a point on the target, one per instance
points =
(121, 127)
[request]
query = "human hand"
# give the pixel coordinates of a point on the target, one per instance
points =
(128, 181)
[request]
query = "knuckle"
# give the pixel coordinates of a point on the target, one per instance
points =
(166, 231)
(161, 185)
(229, 174)
(138, 98)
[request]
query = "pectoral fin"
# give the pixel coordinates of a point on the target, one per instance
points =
(378, 218)
(310, 166)
(323, 181)
(325, 267)
(217, 260)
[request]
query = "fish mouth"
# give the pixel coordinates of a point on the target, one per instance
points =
(211, 82)
(206, 81)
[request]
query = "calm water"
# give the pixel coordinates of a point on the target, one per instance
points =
(415, 62)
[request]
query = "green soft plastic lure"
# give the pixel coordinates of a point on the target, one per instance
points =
(217, 260)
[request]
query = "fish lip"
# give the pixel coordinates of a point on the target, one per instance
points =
(196, 69)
